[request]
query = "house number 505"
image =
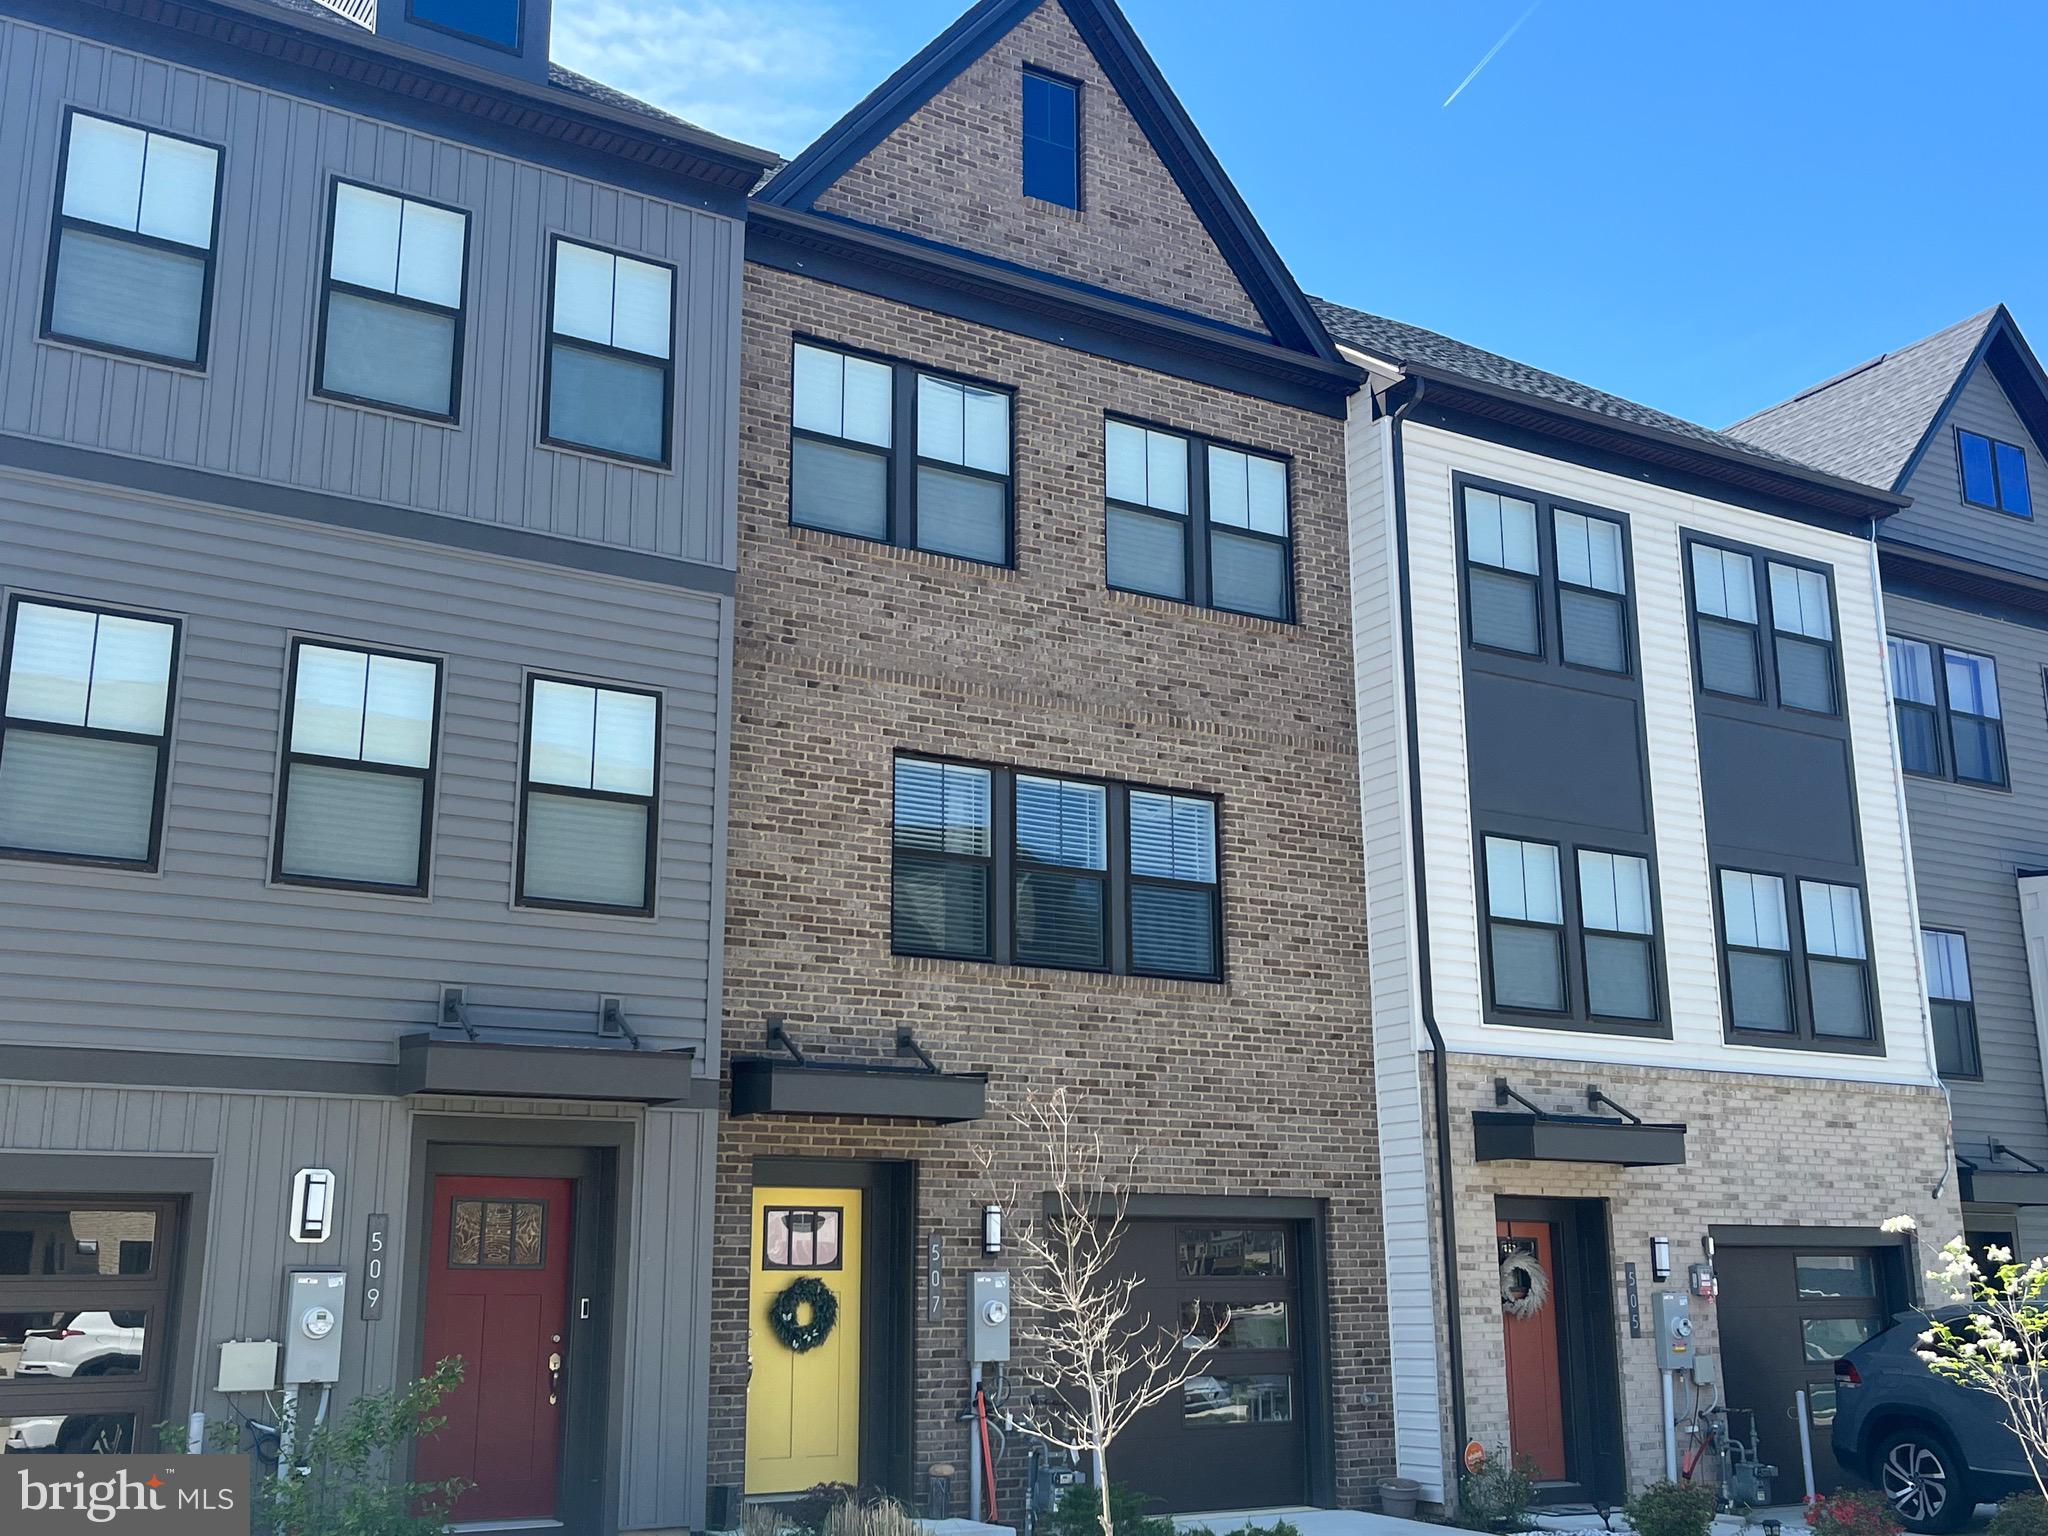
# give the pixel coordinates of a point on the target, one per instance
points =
(376, 1254)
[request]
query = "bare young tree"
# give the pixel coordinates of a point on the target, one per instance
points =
(1095, 1357)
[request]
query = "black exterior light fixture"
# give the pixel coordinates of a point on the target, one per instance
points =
(1660, 1258)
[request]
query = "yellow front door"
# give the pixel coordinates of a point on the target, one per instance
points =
(803, 1409)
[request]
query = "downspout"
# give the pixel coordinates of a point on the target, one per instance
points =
(1440, 1072)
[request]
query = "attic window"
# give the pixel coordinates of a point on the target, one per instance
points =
(1052, 139)
(1994, 474)
(494, 23)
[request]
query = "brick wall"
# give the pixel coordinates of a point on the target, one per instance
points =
(953, 171)
(848, 651)
(1760, 1151)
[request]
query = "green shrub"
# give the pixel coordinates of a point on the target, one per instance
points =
(1497, 1496)
(1671, 1509)
(1079, 1513)
(2024, 1514)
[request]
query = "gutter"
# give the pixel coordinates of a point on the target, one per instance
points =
(1440, 1071)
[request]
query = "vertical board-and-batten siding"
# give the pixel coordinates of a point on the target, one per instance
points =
(1940, 519)
(1657, 516)
(252, 413)
(254, 1143)
(1969, 844)
(206, 957)
(1414, 1354)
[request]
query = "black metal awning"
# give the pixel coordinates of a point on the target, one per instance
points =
(1536, 1135)
(793, 1084)
(2025, 1185)
(544, 1053)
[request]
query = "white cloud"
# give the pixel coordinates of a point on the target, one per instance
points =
(775, 74)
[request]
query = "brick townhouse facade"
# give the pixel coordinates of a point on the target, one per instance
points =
(889, 644)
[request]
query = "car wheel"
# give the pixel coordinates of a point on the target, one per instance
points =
(1923, 1481)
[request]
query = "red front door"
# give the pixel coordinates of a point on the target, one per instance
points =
(1535, 1376)
(498, 1297)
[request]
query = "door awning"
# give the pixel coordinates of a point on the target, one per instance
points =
(794, 1084)
(534, 1053)
(1536, 1135)
(2026, 1184)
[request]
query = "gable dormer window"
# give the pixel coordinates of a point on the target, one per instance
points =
(1052, 139)
(494, 23)
(1994, 474)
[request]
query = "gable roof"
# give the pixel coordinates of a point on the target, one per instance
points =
(1508, 384)
(1279, 301)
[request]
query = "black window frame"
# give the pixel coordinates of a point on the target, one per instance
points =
(162, 742)
(1547, 583)
(288, 759)
(549, 336)
(1195, 547)
(652, 801)
(901, 458)
(1966, 1012)
(1025, 140)
(329, 283)
(1798, 962)
(1004, 867)
(1991, 447)
(1769, 695)
(1945, 714)
(60, 221)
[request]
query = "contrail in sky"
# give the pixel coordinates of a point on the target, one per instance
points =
(1496, 48)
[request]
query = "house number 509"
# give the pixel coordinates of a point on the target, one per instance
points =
(376, 1254)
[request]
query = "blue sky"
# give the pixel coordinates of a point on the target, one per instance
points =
(1702, 206)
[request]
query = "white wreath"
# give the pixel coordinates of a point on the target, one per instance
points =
(1521, 1273)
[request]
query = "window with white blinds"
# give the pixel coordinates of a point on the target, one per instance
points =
(391, 315)
(132, 268)
(590, 811)
(610, 382)
(1197, 521)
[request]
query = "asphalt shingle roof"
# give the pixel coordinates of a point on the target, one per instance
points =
(1397, 342)
(1866, 424)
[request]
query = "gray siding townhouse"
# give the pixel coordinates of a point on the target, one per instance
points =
(1958, 421)
(367, 475)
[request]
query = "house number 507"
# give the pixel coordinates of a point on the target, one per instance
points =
(376, 1254)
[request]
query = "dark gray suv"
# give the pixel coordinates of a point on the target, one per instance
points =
(1935, 1449)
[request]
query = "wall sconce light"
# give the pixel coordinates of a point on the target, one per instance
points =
(991, 1228)
(1660, 1258)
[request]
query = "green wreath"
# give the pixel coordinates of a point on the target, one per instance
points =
(782, 1314)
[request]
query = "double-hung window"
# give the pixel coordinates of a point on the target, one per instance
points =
(1607, 975)
(610, 385)
(590, 814)
(1737, 598)
(1950, 1003)
(1503, 587)
(391, 319)
(1592, 587)
(1950, 722)
(1525, 925)
(1615, 914)
(1994, 473)
(1518, 551)
(951, 497)
(84, 727)
(131, 262)
(1197, 522)
(357, 802)
(1767, 956)
(1052, 139)
(1024, 868)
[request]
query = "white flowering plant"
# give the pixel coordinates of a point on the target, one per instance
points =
(1996, 1341)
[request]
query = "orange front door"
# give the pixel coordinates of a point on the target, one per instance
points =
(498, 1297)
(1535, 1374)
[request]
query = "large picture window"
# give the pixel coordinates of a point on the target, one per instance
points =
(590, 812)
(391, 316)
(131, 260)
(1022, 868)
(1197, 521)
(610, 376)
(356, 805)
(951, 496)
(1951, 724)
(84, 731)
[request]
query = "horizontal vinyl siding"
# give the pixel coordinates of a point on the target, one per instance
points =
(1940, 519)
(252, 415)
(205, 957)
(1968, 845)
(1656, 518)
(1382, 753)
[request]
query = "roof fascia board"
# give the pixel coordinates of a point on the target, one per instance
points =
(1955, 389)
(2018, 372)
(1934, 576)
(928, 277)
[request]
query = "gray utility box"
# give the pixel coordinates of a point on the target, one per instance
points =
(988, 1316)
(315, 1302)
(1675, 1350)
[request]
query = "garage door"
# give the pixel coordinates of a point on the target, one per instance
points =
(1234, 1437)
(1787, 1314)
